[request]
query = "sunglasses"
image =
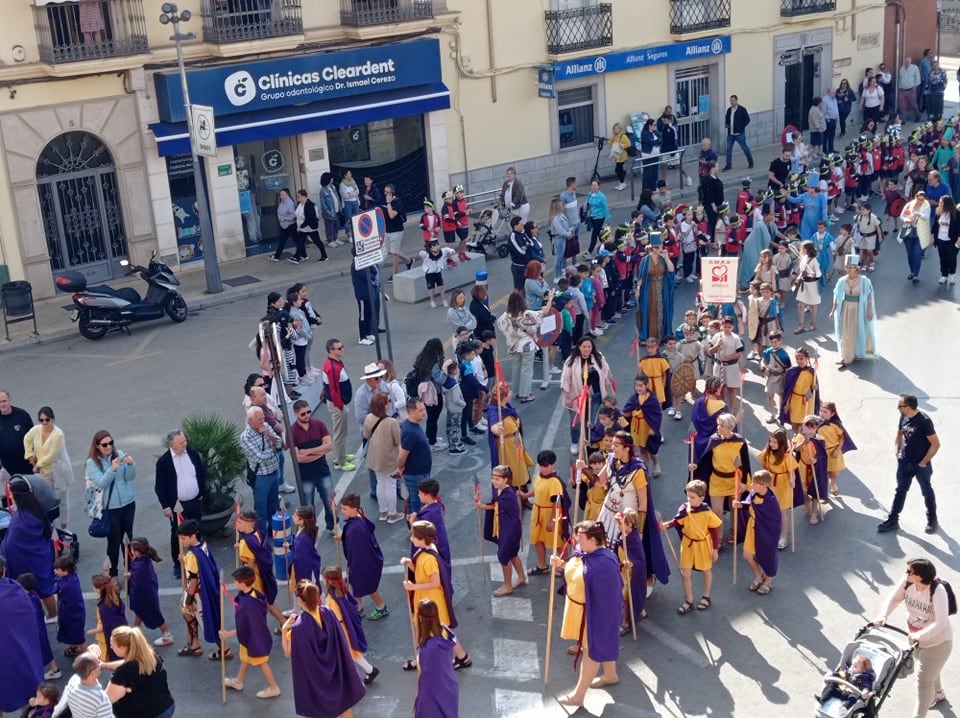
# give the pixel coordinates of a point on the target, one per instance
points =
(45, 419)
(305, 413)
(105, 444)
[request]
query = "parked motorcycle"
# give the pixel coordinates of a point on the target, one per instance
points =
(102, 308)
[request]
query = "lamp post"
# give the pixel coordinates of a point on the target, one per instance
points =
(211, 267)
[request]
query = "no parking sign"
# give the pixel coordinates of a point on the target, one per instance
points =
(369, 230)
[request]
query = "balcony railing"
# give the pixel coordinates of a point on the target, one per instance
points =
(361, 13)
(237, 20)
(579, 28)
(793, 8)
(75, 31)
(697, 15)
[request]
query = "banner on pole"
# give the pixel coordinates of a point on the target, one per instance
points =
(719, 279)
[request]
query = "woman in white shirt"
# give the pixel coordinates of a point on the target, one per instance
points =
(915, 232)
(928, 624)
(871, 100)
(519, 326)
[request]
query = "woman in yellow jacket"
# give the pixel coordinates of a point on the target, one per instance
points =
(619, 142)
(45, 448)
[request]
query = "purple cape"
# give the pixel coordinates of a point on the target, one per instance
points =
(364, 557)
(438, 693)
(251, 623)
(23, 667)
(789, 380)
(820, 472)
(493, 417)
(638, 578)
(46, 653)
(27, 550)
(144, 592)
(209, 593)
(353, 621)
(655, 558)
(653, 413)
(446, 583)
(113, 617)
(705, 463)
(325, 681)
(510, 525)
(263, 555)
(601, 578)
(767, 524)
(306, 560)
(704, 424)
(434, 514)
(847, 443)
(72, 615)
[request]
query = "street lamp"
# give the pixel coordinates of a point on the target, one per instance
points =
(211, 267)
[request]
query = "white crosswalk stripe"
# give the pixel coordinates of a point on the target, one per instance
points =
(517, 704)
(510, 608)
(516, 660)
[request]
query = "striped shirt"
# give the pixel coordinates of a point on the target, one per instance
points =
(87, 701)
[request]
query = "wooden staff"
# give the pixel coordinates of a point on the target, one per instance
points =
(336, 533)
(633, 621)
(816, 484)
(126, 567)
(557, 519)
(223, 642)
(736, 518)
(793, 530)
(236, 531)
(180, 557)
(476, 496)
(690, 463)
(499, 382)
(666, 534)
(581, 447)
(413, 625)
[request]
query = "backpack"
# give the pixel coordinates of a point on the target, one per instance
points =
(951, 597)
(411, 383)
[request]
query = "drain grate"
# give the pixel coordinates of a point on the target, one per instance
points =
(240, 281)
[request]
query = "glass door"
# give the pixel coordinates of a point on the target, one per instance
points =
(263, 168)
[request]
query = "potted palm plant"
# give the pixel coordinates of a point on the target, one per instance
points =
(217, 440)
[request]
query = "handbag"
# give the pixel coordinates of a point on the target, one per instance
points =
(908, 231)
(100, 526)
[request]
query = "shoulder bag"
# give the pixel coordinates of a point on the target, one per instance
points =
(100, 526)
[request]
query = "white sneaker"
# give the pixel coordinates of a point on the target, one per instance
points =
(942, 280)
(574, 449)
(50, 620)
(433, 304)
(446, 303)
(782, 544)
(286, 488)
(372, 338)
(268, 692)
(233, 683)
(544, 384)
(366, 341)
(598, 332)
(165, 640)
(677, 415)
(689, 180)
(482, 425)
(691, 279)
(940, 697)
(556, 370)
(671, 411)
(952, 279)
(620, 187)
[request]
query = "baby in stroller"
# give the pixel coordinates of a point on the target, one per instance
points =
(859, 673)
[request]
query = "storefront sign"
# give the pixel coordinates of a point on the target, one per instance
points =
(300, 79)
(642, 57)
(224, 170)
(545, 82)
(272, 161)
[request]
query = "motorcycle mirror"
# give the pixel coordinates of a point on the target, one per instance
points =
(124, 262)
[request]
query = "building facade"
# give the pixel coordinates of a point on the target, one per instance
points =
(93, 139)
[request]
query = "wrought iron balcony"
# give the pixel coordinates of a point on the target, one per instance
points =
(697, 15)
(580, 28)
(237, 20)
(793, 8)
(74, 31)
(361, 13)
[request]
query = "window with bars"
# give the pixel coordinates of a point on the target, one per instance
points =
(697, 15)
(793, 8)
(577, 116)
(579, 28)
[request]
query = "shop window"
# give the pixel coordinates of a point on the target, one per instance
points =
(577, 112)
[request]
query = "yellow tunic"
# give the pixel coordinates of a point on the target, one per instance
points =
(807, 463)
(335, 607)
(723, 457)
(799, 407)
(595, 498)
(514, 454)
(832, 435)
(248, 559)
(750, 538)
(782, 472)
(696, 547)
(656, 368)
(543, 510)
(639, 426)
(575, 601)
(425, 566)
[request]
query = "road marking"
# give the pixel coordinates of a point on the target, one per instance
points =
(138, 353)
(509, 608)
(516, 660)
(517, 704)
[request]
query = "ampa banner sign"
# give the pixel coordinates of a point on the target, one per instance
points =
(719, 279)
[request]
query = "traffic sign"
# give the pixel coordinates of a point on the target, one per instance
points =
(369, 230)
(204, 132)
(368, 259)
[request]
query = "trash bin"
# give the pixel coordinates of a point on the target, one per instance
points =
(17, 298)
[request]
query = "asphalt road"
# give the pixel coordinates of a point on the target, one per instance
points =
(748, 654)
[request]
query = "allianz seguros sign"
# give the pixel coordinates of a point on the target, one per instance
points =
(642, 57)
(300, 79)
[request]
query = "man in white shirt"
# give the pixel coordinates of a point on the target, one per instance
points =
(908, 80)
(831, 113)
(180, 478)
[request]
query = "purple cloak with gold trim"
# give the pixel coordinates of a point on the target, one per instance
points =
(144, 592)
(325, 681)
(363, 554)
(253, 633)
(263, 555)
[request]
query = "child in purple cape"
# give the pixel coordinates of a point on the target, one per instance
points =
(345, 606)
(201, 592)
(255, 551)
(29, 583)
(143, 590)
(360, 548)
(72, 614)
(42, 704)
(633, 568)
(110, 613)
(432, 510)
(438, 693)
(762, 532)
(305, 561)
(23, 667)
(252, 632)
(325, 680)
(505, 528)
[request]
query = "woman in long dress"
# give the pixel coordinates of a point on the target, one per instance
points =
(854, 314)
(808, 287)
(45, 448)
(655, 288)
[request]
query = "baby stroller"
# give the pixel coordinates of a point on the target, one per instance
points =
(486, 231)
(891, 656)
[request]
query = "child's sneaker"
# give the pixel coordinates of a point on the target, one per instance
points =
(377, 613)
(233, 683)
(165, 640)
(269, 692)
(671, 411)
(456, 450)
(677, 415)
(940, 697)
(433, 304)
(371, 676)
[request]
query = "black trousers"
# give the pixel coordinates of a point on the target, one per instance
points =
(191, 510)
(121, 524)
(290, 233)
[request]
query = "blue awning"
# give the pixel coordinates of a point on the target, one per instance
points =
(173, 139)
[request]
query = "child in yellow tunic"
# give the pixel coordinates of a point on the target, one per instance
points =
(340, 601)
(656, 368)
(515, 454)
(246, 522)
(547, 489)
(597, 492)
(779, 461)
(699, 541)
(804, 394)
(834, 437)
(573, 604)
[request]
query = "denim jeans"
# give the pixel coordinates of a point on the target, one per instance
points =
(412, 482)
(906, 471)
(914, 254)
(266, 500)
(575, 422)
(559, 261)
(314, 484)
(168, 713)
(740, 139)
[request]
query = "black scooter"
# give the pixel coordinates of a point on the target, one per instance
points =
(102, 309)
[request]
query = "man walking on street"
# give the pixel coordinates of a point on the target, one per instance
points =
(180, 477)
(916, 444)
(736, 121)
(831, 111)
(908, 84)
(393, 219)
(337, 393)
(260, 445)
